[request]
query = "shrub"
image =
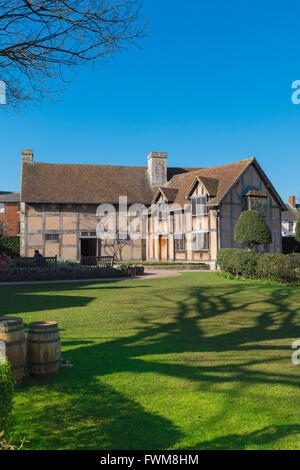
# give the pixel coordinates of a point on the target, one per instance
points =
(245, 263)
(282, 268)
(238, 262)
(225, 259)
(248, 264)
(10, 246)
(6, 396)
(252, 229)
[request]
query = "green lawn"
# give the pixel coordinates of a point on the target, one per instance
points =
(192, 362)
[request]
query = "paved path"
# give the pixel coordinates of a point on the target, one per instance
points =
(149, 275)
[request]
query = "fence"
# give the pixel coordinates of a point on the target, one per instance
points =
(97, 261)
(49, 262)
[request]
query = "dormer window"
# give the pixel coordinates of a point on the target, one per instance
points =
(256, 200)
(162, 211)
(199, 205)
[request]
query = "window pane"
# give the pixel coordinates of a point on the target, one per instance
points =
(199, 205)
(180, 243)
(51, 236)
(2, 207)
(201, 241)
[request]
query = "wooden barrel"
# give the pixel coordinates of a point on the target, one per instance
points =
(13, 335)
(43, 349)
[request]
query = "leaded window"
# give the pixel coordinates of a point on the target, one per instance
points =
(200, 241)
(162, 211)
(199, 205)
(50, 237)
(180, 242)
(256, 203)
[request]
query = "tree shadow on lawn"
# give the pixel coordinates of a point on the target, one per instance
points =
(97, 416)
(257, 439)
(15, 300)
(87, 414)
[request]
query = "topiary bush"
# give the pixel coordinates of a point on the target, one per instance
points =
(6, 396)
(251, 229)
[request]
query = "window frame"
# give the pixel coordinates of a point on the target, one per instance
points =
(162, 211)
(194, 204)
(248, 206)
(56, 239)
(206, 244)
(2, 207)
(181, 240)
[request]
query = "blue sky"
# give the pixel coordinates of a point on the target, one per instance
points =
(211, 85)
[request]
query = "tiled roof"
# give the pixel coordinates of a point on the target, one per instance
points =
(169, 193)
(290, 214)
(225, 175)
(57, 183)
(95, 184)
(8, 196)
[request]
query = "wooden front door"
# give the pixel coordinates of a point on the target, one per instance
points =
(163, 248)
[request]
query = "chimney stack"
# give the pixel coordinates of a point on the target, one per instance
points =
(157, 168)
(27, 155)
(292, 201)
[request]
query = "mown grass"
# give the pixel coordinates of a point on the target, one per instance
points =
(191, 362)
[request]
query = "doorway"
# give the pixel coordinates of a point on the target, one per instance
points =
(88, 247)
(163, 248)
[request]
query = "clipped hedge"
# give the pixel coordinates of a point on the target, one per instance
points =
(282, 268)
(6, 396)
(238, 262)
(277, 267)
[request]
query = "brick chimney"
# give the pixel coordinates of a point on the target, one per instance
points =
(292, 201)
(27, 155)
(157, 168)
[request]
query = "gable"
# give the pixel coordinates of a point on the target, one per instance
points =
(203, 185)
(253, 181)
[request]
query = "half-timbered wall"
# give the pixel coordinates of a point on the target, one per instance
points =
(232, 207)
(66, 222)
(187, 225)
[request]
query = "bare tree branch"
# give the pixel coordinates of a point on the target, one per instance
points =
(39, 39)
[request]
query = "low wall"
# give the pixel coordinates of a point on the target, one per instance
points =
(24, 274)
